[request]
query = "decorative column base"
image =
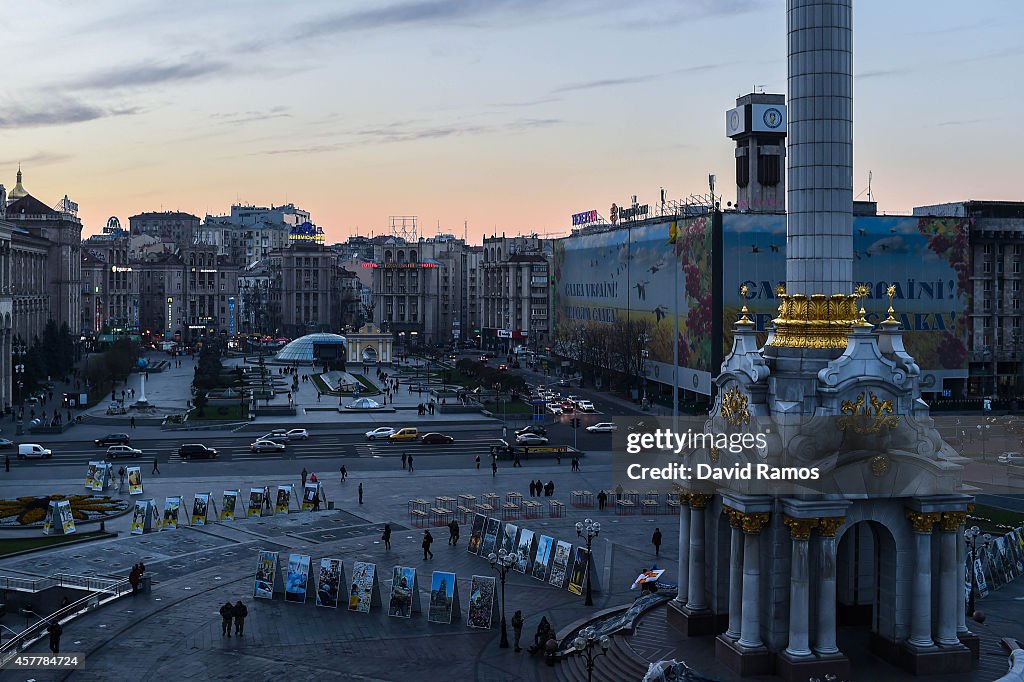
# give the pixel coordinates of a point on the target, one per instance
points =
(931, 661)
(972, 642)
(803, 668)
(696, 623)
(743, 661)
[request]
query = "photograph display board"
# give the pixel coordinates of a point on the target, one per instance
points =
(491, 531)
(255, 502)
(578, 575)
(508, 538)
(227, 510)
(67, 520)
(526, 545)
(476, 536)
(171, 507)
(50, 520)
(298, 578)
(101, 477)
(648, 576)
(560, 563)
(543, 558)
(200, 507)
(90, 474)
(142, 516)
(405, 593)
(482, 604)
(284, 498)
(310, 492)
(329, 582)
(134, 481)
(365, 591)
(266, 575)
(444, 598)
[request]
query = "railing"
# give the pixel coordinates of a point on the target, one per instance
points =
(103, 586)
(78, 582)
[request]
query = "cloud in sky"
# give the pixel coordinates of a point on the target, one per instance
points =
(149, 73)
(55, 111)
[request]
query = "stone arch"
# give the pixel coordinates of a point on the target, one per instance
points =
(369, 355)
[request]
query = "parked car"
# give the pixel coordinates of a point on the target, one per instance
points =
(602, 427)
(436, 439)
(534, 429)
(380, 432)
(585, 406)
(554, 408)
(6, 443)
(115, 451)
(113, 439)
(196, 451)
(531, 439)
(408, 433)
(265, 445)
(33, 451)
(277, 435)
(1011, 458)
(298, 434)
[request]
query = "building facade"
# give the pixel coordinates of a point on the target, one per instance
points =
(181, 228)
(515, 298)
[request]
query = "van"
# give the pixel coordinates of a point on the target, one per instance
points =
(408, 433)
(31, 450)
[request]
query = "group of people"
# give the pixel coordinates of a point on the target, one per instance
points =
(425, 408)
(537, 488)
(237, 611)
(407, 462)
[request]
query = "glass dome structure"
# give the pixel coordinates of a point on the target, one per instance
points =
(302, 349)
(363, 404)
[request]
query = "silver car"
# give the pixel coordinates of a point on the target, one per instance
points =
(115, 451)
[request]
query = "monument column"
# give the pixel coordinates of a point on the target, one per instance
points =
(750, 623)
(825, 642)
(683, 577)
(799, 598)
(696, 600)
(951, 591)
(735, 572)
(921, 598)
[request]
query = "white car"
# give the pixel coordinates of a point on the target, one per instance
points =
(531, 439)
(554, 408)
(602, 427)
(585, 406)
(298, 434)
(33, 451)
(265, 445)
(1011, 458)
(381, 433)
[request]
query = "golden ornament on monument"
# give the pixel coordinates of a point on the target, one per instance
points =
(860, 418)
(880, 465)
(734, 407)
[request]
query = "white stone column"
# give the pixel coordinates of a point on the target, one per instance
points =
(696, 599)
(825, 642)
(921, 604)
(961, 564)
(750, 618)
(951, 590)
(799, 597)
(683, 578)
(735, 574)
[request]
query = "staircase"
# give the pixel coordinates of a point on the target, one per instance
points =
(620, 664)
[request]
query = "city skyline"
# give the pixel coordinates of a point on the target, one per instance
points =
(508, 116)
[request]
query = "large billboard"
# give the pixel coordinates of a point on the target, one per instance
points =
(641, 272)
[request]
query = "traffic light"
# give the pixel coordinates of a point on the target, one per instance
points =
(574, 422)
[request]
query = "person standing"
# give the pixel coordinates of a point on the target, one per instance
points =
(239, 611)
(517, 629)
(618, 492)
(360, 493)
(428, 540)
(386, 536)
(133, 422)
(56, 630)
(533, 488)
(305, 474)
(477, 463)
(344, 473)
(453, 532)
(410, 464)
(656, 541)
(405, 460)
(602, 498)
(226, 612)
(156, 465)
(494, 468)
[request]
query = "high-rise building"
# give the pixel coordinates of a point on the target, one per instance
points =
(515, 292)
(177, 226)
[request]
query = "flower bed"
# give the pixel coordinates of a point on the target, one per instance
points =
(30, 511)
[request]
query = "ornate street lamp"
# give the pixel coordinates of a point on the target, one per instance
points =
(592, 529)
(971, 536)
(502, 562)
(586, 643)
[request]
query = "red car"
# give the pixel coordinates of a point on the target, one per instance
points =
(436, 439)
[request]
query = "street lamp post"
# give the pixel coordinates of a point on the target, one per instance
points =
(502, 562)
(983, 431)
(592, 529)
(971, 536)
(586, 642)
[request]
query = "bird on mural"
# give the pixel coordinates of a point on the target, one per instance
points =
(657, 266)
(641, 290)
(754, 249)
(660, 313)
(775, 248)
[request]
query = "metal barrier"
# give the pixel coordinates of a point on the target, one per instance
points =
(113, 588)
(78, 582)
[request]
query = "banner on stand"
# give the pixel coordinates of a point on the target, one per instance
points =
(101, 477)
(142, 516)
(298, 578)
(508, 538)
(172, 506)
(543, 558)
(329, 582)
(310, 492)
(284, 498)
(578, 575)
(227, 511)
(90, 474)
(404, 592)
(560, 564)
(134, 481)
(266, 575)
(526, 546)
(444, 598)
(482, 604)
(200, 508)
(365, 590)
(491, 531)
(476, 536)
(255, 502)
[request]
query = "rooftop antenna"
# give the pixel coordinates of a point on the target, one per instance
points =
(758, 89)
(871, 197)
(465, 231)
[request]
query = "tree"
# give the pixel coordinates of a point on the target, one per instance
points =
(201, 402)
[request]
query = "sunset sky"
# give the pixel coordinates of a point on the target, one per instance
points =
(508, 114)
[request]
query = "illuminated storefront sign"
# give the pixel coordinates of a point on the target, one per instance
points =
(231, 315)
(170, 316)
(119, 268)
(399, 266)
(306, 232)
(584, 218)
(622, 214)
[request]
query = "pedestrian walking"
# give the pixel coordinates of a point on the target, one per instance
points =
(344, 473)
(56, 630)
(305, 474)
(360, 493)
(316, 502)
(477, 462)
(410, 464)
(428, 540)
(618, 492)
(133, 422)
(494, 468)
(239, 611)
(134, 578)
(386, 537)
(656, 541)
(405, 460)
(453, 533)
(602, 498)
(540, 487)
(533, 488)
(226, 613)
(156, 466)
(517, 629)
(516, 462)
